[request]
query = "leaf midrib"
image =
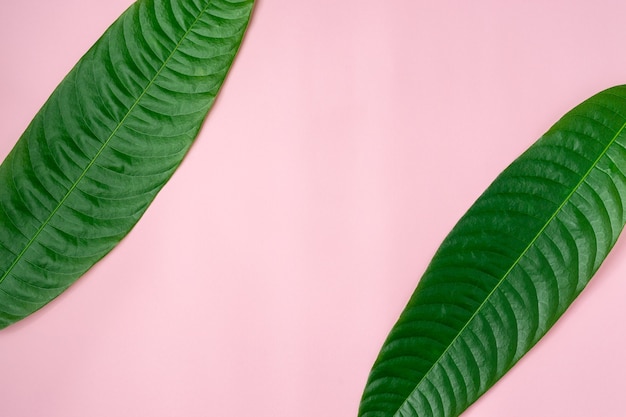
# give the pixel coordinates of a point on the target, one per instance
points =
(514, 264)
(103, 146)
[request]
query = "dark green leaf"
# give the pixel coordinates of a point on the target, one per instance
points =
(107, 140)
(509, 269)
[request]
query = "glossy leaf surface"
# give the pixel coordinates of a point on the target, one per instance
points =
(509, 268)
(107, 140)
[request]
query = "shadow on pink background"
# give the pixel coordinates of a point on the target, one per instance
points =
(348, 140)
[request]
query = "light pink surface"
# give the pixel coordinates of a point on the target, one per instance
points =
(350, 137)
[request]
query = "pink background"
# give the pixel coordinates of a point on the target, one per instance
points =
(350, 137)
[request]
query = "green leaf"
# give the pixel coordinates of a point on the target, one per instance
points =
(510, 267)
(107, 140)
